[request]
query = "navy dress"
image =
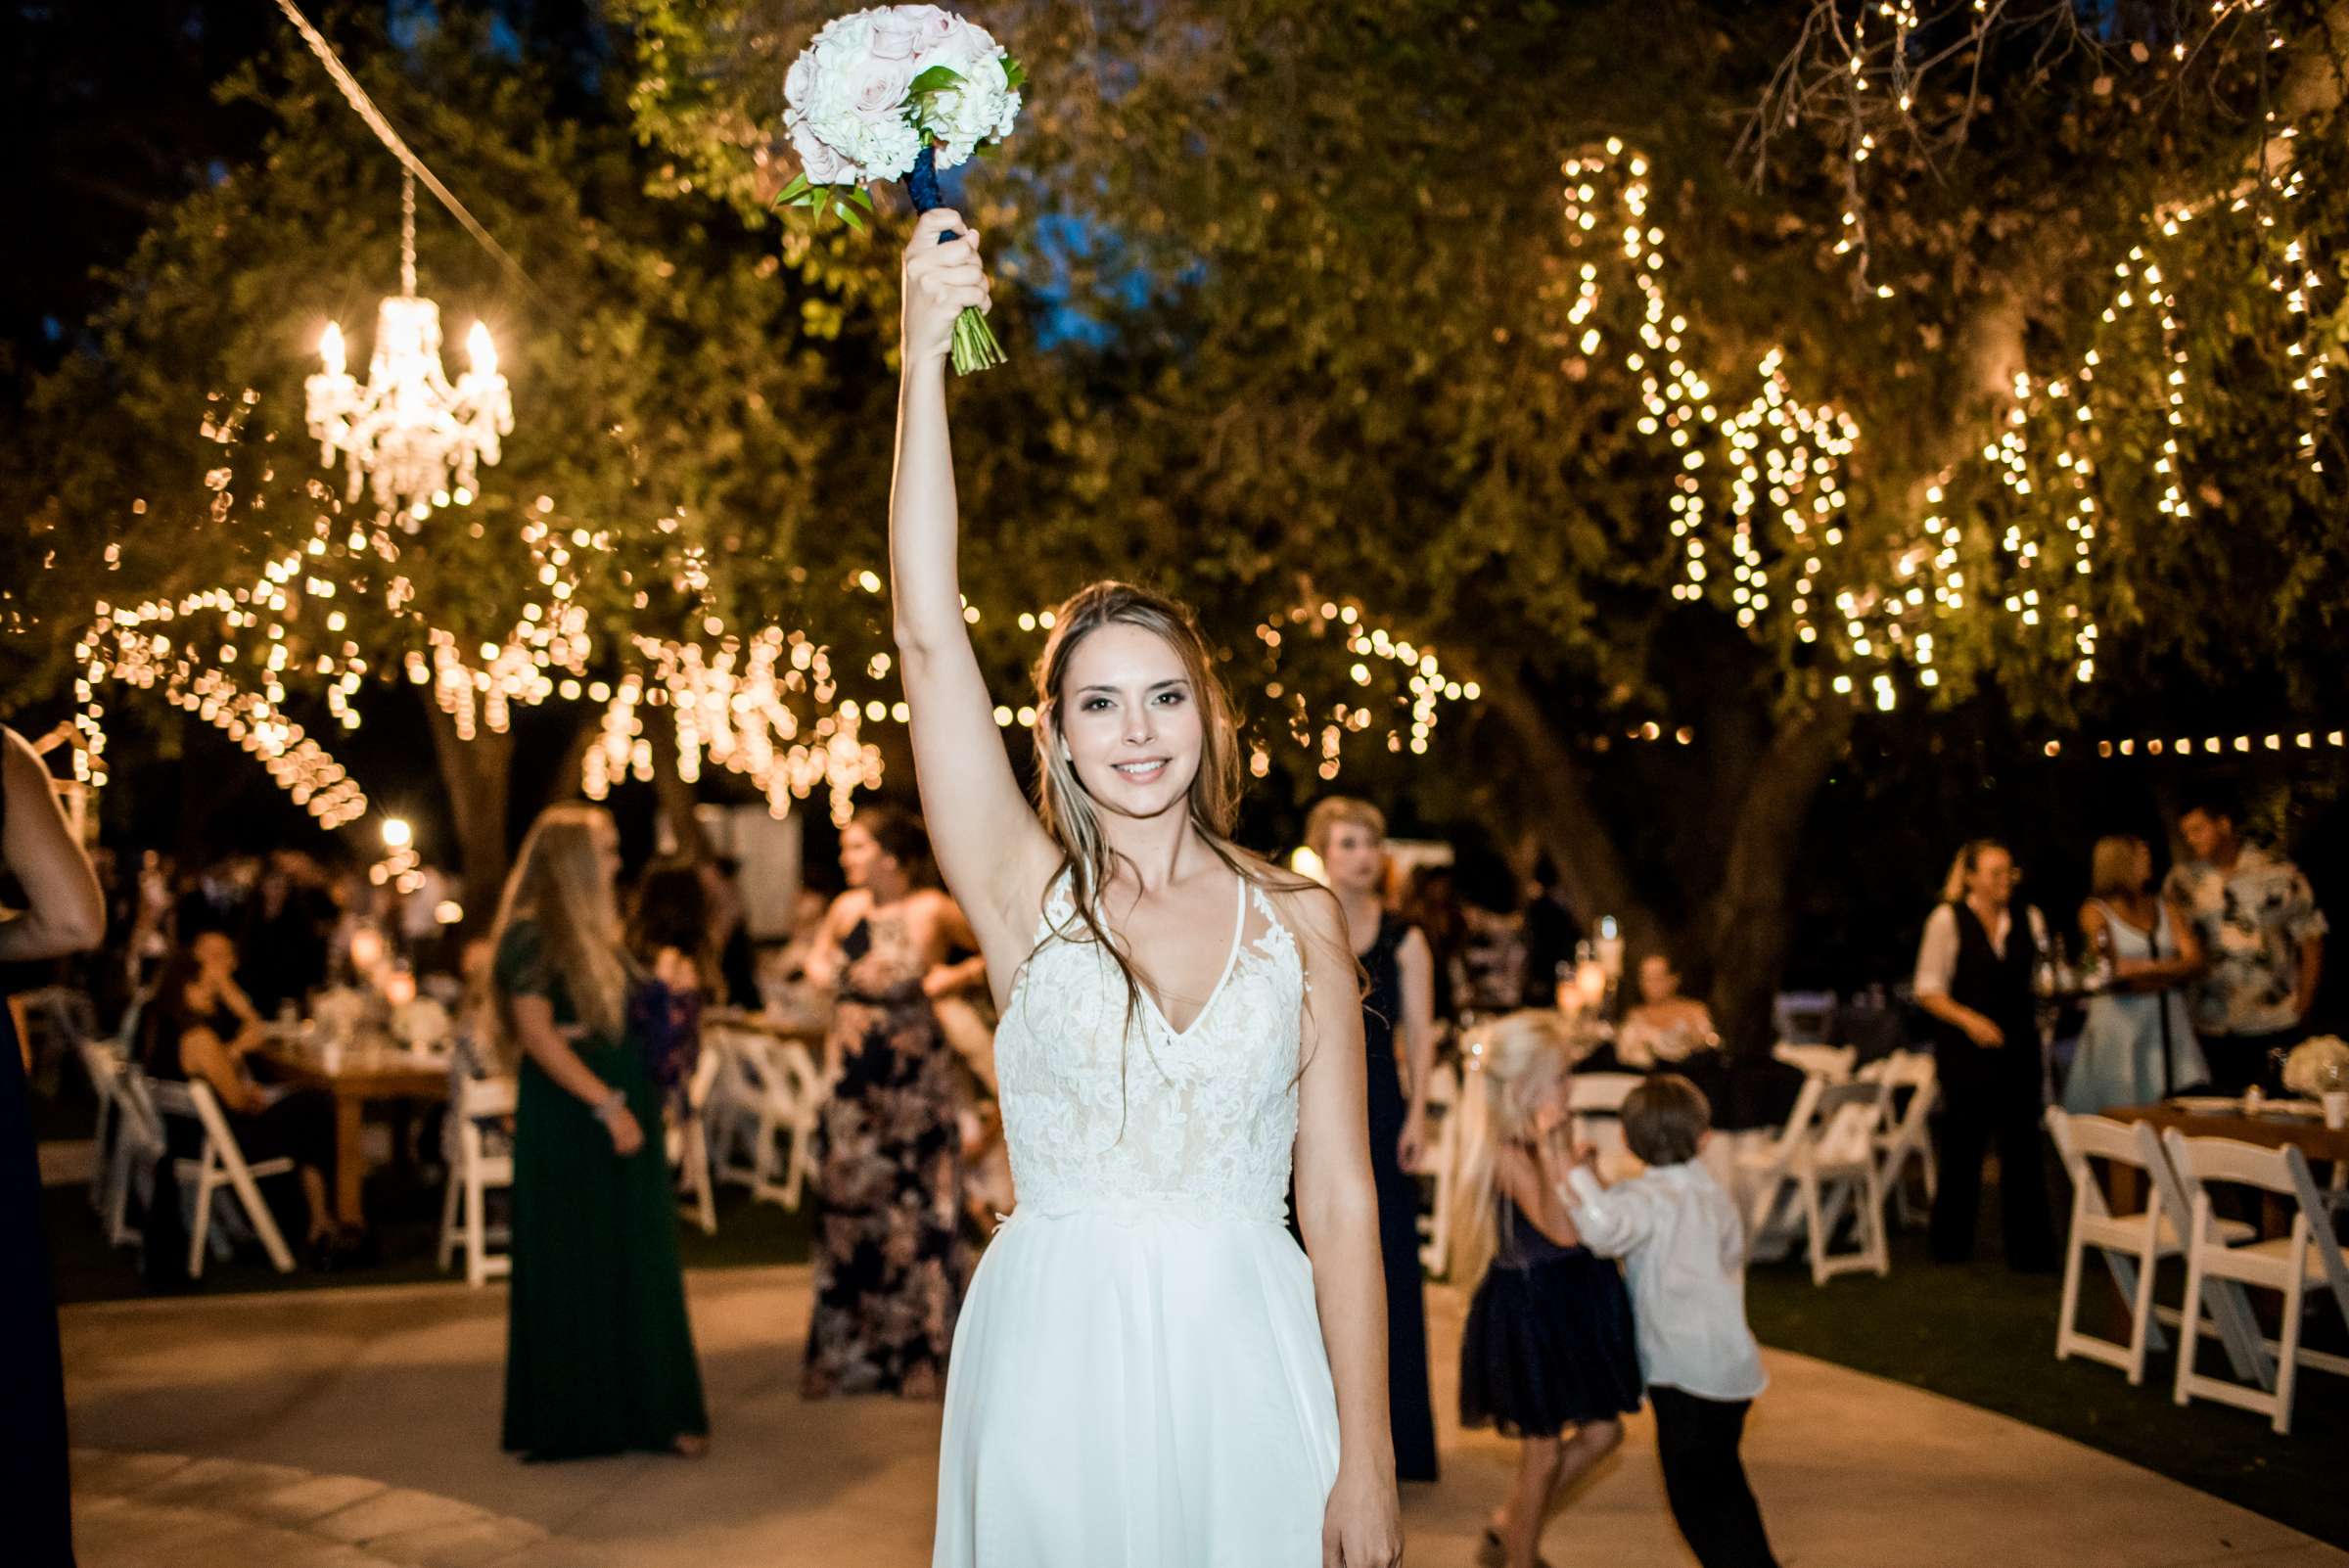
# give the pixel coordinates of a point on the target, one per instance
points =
(1411, 1412)
(1548, 1343)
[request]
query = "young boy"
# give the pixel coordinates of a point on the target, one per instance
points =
(1684, 1247)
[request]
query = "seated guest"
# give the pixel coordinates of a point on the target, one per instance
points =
(1664, 1028)
(203, 1030)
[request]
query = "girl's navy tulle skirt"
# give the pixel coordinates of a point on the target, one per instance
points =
(1548, 1346)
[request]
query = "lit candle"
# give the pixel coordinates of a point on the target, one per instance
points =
(482, 350)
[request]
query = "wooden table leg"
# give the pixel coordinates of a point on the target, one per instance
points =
(351, 1159)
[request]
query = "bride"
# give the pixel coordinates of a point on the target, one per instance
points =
(1147, 1372)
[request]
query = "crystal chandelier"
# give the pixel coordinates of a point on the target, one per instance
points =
(408, 436)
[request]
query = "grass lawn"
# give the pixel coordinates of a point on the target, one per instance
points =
(1982, 1335)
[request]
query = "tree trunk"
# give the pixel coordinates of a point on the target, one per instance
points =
(676, 797)
(1751, 916)
(478, 776)
(1591, 871)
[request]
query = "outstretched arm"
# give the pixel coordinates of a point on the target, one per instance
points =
(992, 851)
(66, 913)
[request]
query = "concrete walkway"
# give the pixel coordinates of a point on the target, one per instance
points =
(356, 1428)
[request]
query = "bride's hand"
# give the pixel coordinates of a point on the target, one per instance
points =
(941, 282)
(1362, 1527)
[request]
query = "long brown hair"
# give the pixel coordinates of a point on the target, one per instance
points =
(559, 885)
(1066, 808)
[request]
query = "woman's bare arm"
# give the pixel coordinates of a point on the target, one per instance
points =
(536, 1027)
(1337, 1214)
(65, 910)
(1416, 967)
(991, 849)
(1517, 1175)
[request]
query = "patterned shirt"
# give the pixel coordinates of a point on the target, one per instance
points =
(2252, 921)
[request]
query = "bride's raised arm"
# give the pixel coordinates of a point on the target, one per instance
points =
(994, 854)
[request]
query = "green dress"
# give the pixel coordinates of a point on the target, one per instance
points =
(599, 1350)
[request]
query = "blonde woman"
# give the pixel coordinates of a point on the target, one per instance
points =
(599, 1351)
(1549, 1347)
(1350, 837)
(1147, 1373)
(2137, 1046)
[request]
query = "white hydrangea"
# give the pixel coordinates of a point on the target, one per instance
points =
(979, 111)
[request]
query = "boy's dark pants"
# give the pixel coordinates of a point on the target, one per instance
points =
(1705, 1480)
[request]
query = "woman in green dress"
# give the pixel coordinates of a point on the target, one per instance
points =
(599, 1350)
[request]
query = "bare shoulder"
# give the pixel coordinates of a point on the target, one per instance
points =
(1412, 952)
(848, 908)
(1307, 908)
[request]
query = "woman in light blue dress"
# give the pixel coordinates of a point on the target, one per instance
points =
(2139, 1045)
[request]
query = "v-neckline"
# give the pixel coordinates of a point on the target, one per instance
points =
(1231, 962)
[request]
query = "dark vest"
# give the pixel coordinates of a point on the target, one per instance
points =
(1998, 988)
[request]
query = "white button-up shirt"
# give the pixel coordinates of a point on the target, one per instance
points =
(1683, 1246)
(1937, 954)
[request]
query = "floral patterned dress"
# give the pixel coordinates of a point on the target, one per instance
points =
(890, 1259)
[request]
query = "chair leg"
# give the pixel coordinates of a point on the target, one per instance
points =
(448, 1213)
(258, 1217)
(199, 1224)
(477, 1230)
(2287, 1349)
(2140, 1320)
(2189, 1332)
(1817, 1225)
(2068, 1308)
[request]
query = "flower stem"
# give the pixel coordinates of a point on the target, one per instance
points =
(975, 345)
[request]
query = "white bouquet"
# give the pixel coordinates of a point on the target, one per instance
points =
(2317, 1066)
(897, 93)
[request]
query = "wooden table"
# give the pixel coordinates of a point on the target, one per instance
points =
(371, 1070)
(2267, 1130)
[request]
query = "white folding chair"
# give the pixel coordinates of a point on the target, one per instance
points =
(1833, 1063)
(1835, 1170)
(2284, 1265)
(479, 1161)
(688, 1143)
(1764, 1170)
(138, 1143)
(764, 1101)
(1595, 1105)
(220, 1170)
(102, 1065)
(1441, 1163)
(1908, 1136)
(1804, 1015)
(2132, 1245)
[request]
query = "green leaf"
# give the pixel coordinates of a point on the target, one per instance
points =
(860, 196)
(797, 188)
(1014, 73)
(937, 79)
(847, 216)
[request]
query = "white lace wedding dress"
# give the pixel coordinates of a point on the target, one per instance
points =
(1138, 1378)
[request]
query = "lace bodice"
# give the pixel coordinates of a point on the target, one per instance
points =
(1098, 1115)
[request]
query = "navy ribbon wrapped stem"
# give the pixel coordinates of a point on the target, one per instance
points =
(975, 345)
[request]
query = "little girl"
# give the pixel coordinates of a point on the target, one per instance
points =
(1549, 1345)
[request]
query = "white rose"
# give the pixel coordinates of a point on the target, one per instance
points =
(848, 37)
(880, 89)
(821, 164)
(799, 79)
(897, 36)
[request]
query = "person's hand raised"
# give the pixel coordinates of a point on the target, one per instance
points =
(941, 281)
